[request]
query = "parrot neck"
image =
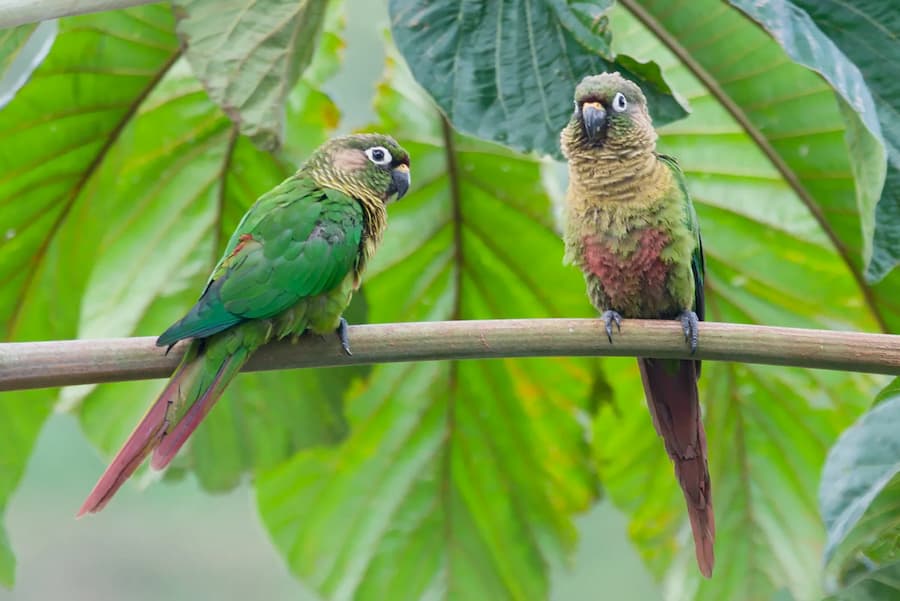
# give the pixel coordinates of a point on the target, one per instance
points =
(374, 212)
(374, 223)
(600, 177)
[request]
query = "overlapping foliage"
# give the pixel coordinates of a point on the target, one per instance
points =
(459, 480)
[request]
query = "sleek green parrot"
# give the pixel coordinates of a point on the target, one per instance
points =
(631, 228)
(291, 265)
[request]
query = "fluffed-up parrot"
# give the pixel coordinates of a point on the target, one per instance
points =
(631, 228)
(291, 265)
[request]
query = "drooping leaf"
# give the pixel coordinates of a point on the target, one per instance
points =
(53, 136)
(769, 262)
(860, 493)
(458, 478)
(867, 32)
(249, 55)
(505, 70)
(197, 175)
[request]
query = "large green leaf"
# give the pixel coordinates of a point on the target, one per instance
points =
(805, 43)
(867, 32)
(155, 257)
(505, 70)
(249, 55)
(768, 261)
(458, 478)
(860, 493)
(55, 134)
(791, 115)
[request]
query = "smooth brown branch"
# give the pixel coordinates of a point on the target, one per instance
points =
(45, 364)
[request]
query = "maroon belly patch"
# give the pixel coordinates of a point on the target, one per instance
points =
(626, 278)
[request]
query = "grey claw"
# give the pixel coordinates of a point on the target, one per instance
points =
(690, 325)
(342, 334)
(609, 317)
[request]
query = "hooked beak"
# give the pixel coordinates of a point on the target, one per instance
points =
(593, 116)
(399, 181)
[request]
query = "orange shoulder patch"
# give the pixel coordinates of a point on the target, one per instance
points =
(242, 242)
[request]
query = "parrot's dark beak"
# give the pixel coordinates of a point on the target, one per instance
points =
(593, 115)
(399, 181)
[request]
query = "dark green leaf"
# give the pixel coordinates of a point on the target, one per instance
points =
(249, 55)
(867, 32)
(506, 70)
(458, 479)
(860, 491)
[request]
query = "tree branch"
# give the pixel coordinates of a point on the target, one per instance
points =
(19, 12)
(44, 364)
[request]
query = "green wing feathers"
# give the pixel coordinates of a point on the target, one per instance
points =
(297, 241)
(698, 266)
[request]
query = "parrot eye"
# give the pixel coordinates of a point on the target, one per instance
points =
(379, 155)
(619, 102)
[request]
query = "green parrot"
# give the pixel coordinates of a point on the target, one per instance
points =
(291, 265)
(631, 228)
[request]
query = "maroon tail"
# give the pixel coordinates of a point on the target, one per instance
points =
(671, 389)
(145, 437)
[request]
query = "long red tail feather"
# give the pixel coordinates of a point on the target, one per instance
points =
(671, 389)
(172, 441)
(142, 440)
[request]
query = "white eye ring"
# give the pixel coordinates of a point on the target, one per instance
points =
(619, 102)
(379, 155)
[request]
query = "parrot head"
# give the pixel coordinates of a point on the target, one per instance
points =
(370, 167)
(611, 113)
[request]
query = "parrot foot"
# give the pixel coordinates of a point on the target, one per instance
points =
(690, 325)
(342, 334)
(610, 317)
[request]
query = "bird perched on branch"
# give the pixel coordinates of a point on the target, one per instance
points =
(631, 228)
(291, 265)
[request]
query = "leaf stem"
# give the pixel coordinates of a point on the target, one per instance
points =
(453, 178)
(69, 362)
